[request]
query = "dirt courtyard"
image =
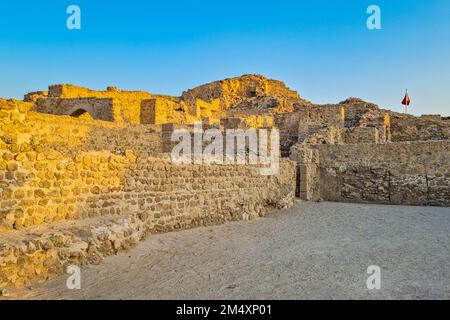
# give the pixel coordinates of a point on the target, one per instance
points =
(312, 251)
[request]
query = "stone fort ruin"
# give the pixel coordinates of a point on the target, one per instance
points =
(85, 174)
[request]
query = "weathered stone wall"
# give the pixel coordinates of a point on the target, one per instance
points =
(358, 111)
(70, 135)
(162, 110)
(243, 121)
(47, 163)
(419, 128)
(55, 169)
(403, 127)
(328, 124)
(130, 107)
(288, 125)
(317, 124)
(399, 173)
(126, 104)
(97, 108)
(231, 92)
(34, 96)
(253, 98)
(153, 196)
(360, 135)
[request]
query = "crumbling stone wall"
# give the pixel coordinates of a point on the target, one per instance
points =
(55, 169)
(332, 137)
(252, 98)
(163, 110)
(130, 107)
(34, 96)
(97, 108)
(287, 124)
(242, 121)
(126, 104)
(398, 173)
(47, 163)
(318, 123)
(360, 135)
(419, 128)
(329, 124)
(245, 92)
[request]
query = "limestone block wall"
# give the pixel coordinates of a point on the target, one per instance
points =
(162, 110)
(415, 173)
(56, 169)
(241, 120)
(165, 109)
(208, 103)
(360, 135)
(153, 196)
(419, 128)
(127, 104)
(70, 135)
(359, 113)
(101, 183)
(98, 108)
(327, 115)
(288, 125)
(210, 110)
(315, 123)
(47, 163)
(402, 127)
(33, 96)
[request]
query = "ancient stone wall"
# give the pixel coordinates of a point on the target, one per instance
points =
(57, 169)
(360, 135)
(233, 92)
(163, 110)
(398, 173)
(126, 104)
(329, 124)
(357, 111)
(97, 108)
(34, 96)
(253, 98)
(130, 107)
(160, 111)
(287, 124)
(419, 128)
(71, 135)
(317, 124)
(47, 162)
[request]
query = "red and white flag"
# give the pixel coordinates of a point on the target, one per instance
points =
(406, 100)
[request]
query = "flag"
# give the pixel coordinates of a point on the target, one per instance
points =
(406, 100)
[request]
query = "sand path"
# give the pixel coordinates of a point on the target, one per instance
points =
(312, 251)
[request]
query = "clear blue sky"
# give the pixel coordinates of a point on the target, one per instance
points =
(320, 48)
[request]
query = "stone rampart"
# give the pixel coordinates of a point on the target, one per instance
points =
(415, 173)
(56, 169)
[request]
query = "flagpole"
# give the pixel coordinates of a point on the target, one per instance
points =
(406, 104)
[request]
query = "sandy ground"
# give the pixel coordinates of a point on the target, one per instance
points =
(312, 251)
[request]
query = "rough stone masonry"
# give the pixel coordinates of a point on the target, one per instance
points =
(85, 174)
